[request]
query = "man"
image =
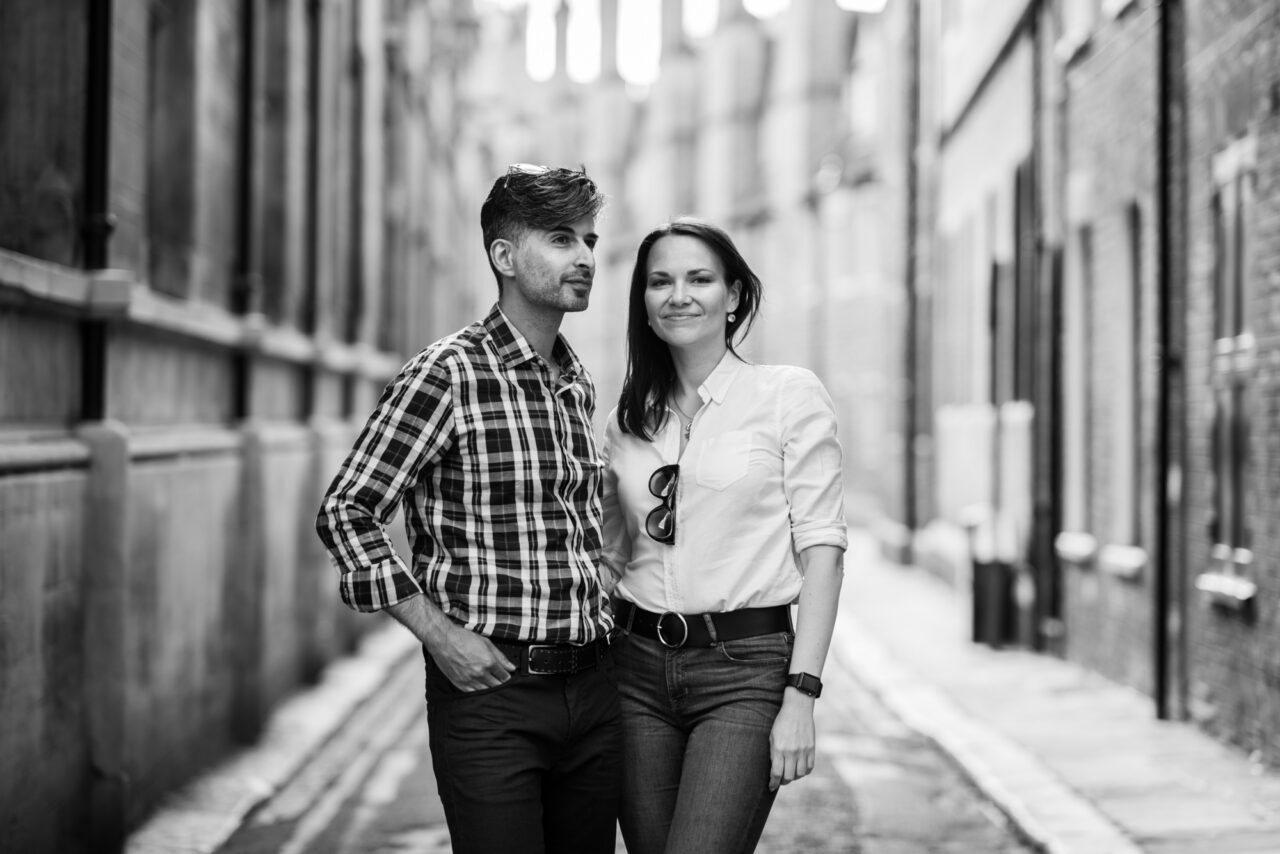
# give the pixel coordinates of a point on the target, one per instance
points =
(486, 439)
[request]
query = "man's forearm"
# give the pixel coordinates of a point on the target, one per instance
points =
(422, 617)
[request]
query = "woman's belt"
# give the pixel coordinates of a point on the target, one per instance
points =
(674, 630)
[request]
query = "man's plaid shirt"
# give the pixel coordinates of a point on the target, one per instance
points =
(500, 481)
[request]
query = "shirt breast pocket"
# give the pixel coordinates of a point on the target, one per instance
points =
(724, 460)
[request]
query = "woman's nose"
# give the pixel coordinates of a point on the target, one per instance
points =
(679, 293)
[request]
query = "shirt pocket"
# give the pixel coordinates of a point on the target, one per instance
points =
(724, 460)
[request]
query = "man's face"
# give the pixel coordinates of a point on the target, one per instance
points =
(553, 269)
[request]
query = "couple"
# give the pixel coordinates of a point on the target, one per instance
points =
(607, 632)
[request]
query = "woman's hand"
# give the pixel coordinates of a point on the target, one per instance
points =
(791, 743)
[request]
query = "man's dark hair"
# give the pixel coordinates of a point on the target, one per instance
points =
(540, 197)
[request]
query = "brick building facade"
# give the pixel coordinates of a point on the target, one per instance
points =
(1232, 464)
(1152, 171)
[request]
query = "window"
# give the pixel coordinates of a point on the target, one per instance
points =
(1232, 373)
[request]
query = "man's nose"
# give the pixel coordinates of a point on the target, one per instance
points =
(586, 258)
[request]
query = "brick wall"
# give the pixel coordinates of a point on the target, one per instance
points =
(1111, 149)
(1233, 64)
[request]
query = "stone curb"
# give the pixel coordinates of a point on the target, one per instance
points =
(202, 816)
(1045, 810)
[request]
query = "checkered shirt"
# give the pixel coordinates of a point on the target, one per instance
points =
(499, 478)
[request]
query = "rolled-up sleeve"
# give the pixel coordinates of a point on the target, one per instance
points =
(411, 427)
(812, 475)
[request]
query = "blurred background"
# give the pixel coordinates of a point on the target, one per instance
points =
(1032, 247)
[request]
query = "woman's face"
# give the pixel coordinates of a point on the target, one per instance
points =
(686, 297)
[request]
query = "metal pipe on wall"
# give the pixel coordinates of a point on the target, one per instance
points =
(98, 222)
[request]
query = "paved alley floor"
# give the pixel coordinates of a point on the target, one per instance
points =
(879, 788)
(928, 744)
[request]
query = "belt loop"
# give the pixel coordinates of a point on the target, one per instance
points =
(711, 628)
(631, 616)
(791, 626)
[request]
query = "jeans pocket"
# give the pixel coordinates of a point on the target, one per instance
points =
(440, 689)
(762, 649)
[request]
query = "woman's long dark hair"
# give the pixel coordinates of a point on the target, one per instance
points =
(651, 374)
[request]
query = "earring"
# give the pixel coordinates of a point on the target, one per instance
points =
(731, 317)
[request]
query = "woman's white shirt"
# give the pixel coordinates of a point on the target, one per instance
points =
(760, 482)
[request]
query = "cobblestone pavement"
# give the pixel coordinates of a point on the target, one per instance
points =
(879, 788)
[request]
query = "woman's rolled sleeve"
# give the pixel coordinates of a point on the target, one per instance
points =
(812, 473)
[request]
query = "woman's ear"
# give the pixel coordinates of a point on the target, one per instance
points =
(735, 290)
(501, 255)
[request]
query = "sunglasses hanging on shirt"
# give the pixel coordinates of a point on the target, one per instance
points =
(660, 524)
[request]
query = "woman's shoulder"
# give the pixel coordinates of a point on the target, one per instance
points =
(783, 376)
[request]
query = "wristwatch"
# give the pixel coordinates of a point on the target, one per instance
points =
(806, 683)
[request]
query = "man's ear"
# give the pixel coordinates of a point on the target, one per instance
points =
(501, 252)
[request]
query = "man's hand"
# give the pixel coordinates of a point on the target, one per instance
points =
(470, 661)
(791, 742)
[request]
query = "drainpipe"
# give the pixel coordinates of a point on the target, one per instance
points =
(1171, 227)
(246, 282)
(98, 222)
(910, 360)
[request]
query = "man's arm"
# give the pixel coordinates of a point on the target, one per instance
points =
(411, 428)
(470, 661)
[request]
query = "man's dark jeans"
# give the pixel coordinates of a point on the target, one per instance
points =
(532, 766)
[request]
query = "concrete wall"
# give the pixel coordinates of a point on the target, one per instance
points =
(170, 418)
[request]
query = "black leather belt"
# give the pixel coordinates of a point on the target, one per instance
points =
(561, 659)
(674, 630)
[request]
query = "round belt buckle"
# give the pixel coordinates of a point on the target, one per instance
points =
(684, 630)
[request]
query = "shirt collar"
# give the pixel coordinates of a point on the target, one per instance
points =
(514, 349)
(716, 386)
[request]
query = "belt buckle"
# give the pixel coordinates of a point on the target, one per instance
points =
(662, 638)
(534, 671)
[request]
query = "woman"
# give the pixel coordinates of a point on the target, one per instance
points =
(723, 506)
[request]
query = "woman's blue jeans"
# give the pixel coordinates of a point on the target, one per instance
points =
(696, 724)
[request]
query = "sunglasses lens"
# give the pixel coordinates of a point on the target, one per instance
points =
(659, 524)
(663, 481)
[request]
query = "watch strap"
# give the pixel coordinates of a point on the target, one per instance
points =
(805, 683)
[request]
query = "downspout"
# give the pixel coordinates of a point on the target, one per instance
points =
(246, 283)
(98, 222)
(910, 361)
(1170, 221)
